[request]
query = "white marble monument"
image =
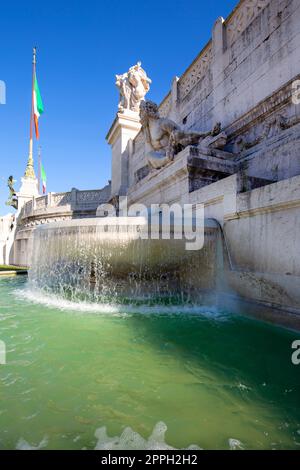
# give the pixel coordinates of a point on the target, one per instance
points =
(133, 86)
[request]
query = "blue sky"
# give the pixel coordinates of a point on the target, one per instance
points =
(81, 46)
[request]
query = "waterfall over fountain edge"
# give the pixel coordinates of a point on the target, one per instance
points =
(88, 260)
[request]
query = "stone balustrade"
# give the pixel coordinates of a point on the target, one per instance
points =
(233, 27)
(72, 204)
(197, 70)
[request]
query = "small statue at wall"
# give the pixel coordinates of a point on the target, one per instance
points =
(13, 199)
(164, 138)
(133, 86)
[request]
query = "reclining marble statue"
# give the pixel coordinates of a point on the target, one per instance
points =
(164, 138)
(133, 86)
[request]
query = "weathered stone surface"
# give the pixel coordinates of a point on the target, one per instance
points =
(243, 77)
(248, 178)
(7, 229)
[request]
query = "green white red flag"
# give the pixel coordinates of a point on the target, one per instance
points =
(44, 179)
(38, 107)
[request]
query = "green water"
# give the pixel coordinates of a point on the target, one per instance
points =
(209, 376)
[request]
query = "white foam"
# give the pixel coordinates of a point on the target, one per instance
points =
(244, 387)
(51, 300)
(235, 444)
(131, 440)
(24, 445)
(54, 301)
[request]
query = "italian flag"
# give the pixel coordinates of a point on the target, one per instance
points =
(38, 107)
(44, 179)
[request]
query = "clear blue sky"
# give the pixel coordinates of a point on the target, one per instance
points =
(81, 46)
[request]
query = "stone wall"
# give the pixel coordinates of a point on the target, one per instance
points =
(53, 207)
(243, 78)
(7, 228)
(263, 239)
(261, 229)
(251, 55)
(61, 206)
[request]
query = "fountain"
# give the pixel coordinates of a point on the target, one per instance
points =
(109, 260)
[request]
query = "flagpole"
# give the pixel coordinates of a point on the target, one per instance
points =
(39, 169)
(29, 172)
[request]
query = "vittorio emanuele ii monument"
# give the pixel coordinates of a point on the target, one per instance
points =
(226, 136)
(162, 311)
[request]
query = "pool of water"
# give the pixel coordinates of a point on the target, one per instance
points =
(84, 376)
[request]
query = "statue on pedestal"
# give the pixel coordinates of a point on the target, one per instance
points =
(133, 86)
(13, 199)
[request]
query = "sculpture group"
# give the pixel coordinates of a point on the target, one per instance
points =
(163, 137)
(133, 86)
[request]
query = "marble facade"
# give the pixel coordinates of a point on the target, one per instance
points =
(238, 95)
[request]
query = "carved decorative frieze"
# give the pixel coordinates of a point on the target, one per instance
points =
(195, 72)
(270, 128)
(40, 202)
(262, 110)
(89, 196)
(165, 106)
(61, 199)
(241, 18)
(31, 223)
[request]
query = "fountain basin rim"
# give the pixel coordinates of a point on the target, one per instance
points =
(116, 221)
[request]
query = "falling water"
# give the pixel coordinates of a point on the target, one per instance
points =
(88, 261)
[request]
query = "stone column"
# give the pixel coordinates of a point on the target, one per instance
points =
(49, 199)
(124, 129)
(74, 192)
(219, 62)
(174, 99)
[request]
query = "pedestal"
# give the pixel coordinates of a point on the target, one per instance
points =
(123, 130)
(28, 190)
